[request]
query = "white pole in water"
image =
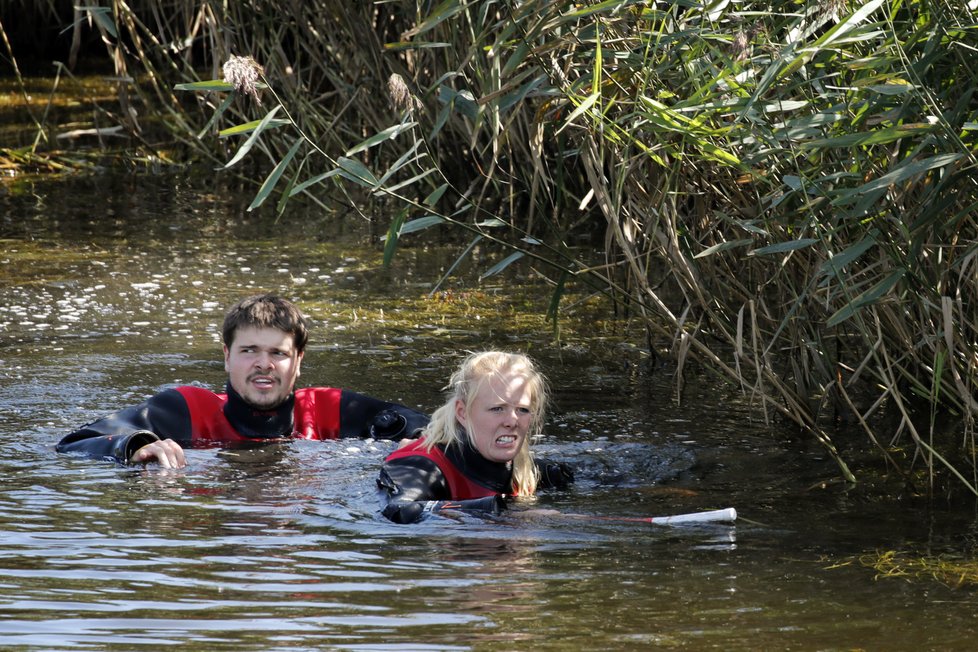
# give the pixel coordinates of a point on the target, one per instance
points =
(716, 516)
(728, 515)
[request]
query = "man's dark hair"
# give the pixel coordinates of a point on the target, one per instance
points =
(266, 311)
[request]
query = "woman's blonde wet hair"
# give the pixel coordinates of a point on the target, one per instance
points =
(471, 375)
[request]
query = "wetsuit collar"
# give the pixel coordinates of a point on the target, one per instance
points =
(497, 476)
(259, 424)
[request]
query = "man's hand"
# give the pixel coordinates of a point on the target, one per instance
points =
(167, 452)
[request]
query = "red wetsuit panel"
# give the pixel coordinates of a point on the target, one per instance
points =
(316, 415)
(208, 425)
(461, 487)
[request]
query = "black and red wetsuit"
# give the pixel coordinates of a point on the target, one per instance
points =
(196, 417)
(418, 482)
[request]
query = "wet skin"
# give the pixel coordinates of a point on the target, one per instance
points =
(262, 365)
(499, 416)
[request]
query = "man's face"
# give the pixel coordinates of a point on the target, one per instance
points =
(262, 365)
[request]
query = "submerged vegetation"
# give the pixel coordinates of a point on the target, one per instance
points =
(783, 193)
(954, 572)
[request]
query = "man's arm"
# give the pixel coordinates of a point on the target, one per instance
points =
(368, 417)
(166, 452)
(554, 475)
(154, 430)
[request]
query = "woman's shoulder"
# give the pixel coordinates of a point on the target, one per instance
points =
(416, 448)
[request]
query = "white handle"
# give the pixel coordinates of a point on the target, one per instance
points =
(716, 516)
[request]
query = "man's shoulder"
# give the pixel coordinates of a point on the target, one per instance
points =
(191, 394)
(317, 390)
(317, 399)
(417, 448)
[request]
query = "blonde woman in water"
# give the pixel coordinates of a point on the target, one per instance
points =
(476, 450)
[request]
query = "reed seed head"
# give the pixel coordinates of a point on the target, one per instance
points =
(401, 97)
(243, 73)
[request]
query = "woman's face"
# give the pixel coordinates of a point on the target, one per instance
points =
(498, 419)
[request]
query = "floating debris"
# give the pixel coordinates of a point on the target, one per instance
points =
(954, 572)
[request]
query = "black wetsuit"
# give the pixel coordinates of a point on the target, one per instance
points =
(416, 482)
(196, 417)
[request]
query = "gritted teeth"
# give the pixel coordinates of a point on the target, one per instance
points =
(506, 439)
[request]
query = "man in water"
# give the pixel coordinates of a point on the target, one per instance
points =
(264, 342)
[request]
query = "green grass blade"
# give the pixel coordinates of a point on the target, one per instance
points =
(866, 298)
(387, 134)
(287, 191)
(580, 110)
(553, 308)
(253, 138)
(102, 17)
(422, 223)
(781, 247)
(402, 46)
(217, 115)
(834, 265)
(908, 169)
(393, 234)
(248, 127)
(209, 85)
(436, 16)
(313, 181)
(503, 264)
(274, 176)
(435, 195)
(407, 158)
(407, 182)
(357, 172)
(875, 137)
(723, 246)
(848, 23)
(451, 268)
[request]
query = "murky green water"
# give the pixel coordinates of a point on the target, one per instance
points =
(112, 288)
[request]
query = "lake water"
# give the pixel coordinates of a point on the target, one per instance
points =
(112, 287)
